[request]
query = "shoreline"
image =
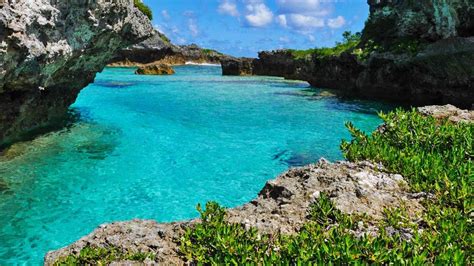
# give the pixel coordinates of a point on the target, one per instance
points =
(363, 189)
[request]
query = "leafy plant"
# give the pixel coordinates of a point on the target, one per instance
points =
(143, 8)
(435, 156)
(102, 256)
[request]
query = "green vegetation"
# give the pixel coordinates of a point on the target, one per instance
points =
(165, 39)
(102, 256)
(210, 51)
(352, 44)
(435, 156)
(143, 8)
(349, 43)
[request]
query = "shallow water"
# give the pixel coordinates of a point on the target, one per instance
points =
(154, 146)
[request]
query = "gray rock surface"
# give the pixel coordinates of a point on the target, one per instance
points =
(428, 20)
(281, 206)
(50, 50)
(448, 111)
(158, 49)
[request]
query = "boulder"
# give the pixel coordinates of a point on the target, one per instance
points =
(155, 69)
(237, 66)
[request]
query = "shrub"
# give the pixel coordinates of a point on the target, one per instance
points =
(436, 157)
(102, 256)
(143, 8)
(349, 43)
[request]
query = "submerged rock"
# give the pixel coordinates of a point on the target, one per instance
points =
(50, 50)
(155, 69)
(281, 206)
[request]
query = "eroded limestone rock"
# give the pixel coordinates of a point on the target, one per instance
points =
(450, 112)
(155, 69)
(281, 206)
(50, 50)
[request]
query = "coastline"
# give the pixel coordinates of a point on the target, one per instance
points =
(282, 207)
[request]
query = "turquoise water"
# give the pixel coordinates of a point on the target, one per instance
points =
(154, 146)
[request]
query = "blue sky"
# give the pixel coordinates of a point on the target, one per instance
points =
(244, 27)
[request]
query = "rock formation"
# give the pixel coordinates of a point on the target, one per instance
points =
(159, 49)
(281, 206)
(50, 50)
(155, 69)
(425, 56)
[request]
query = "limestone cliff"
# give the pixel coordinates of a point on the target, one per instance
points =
(50, 50)
(158, 49)
(428, 20)
(418, 52)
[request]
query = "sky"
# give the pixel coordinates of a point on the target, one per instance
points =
(244, 27)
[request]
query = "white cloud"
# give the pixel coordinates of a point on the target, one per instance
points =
(305, 22)
(181, 40)
(281, 19)
(300, 22)
(229, 8)
(336, 23)
(258, 14)
(284, 39)
(313, 7)
(165, 14)
(193, 27)
(303, 16)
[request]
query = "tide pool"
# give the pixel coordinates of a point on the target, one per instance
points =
(152, 147)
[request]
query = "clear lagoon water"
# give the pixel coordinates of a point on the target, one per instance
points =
(153, 147)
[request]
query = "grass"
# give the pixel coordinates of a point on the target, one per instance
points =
(102, 256)
(143, 8)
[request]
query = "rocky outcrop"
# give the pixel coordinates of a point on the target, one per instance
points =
(159, 49)
(449, 112)
(155, 69)
(424, 55)
(281, 206)
(237, 66)
(50, 50)
(150, 50)
(391, 21)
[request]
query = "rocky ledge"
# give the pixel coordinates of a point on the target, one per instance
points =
(155, 69)
(159, 50)
(281, 206)
(50, 50)
(423, 53)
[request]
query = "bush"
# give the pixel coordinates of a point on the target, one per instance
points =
(143, 8)
(349, 43)
(102, 256)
